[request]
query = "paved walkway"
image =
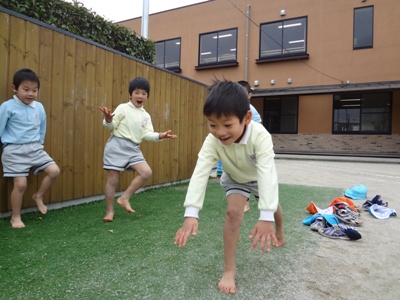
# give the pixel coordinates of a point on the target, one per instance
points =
(379, 175)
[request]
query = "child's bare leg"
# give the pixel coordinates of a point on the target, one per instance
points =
(144, 173)
(52, 172)
(109, 191)
(20, 184)
(279, 226)
(233, 220)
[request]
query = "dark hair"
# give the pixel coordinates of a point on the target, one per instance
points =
(139, 83)
(246, 85)
(226, 98)
(25, 75)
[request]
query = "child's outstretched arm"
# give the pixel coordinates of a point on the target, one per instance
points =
(167, 134)
(108, 116)
(263, 232)
(189, 227)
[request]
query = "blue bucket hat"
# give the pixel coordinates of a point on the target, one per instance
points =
(357, 192)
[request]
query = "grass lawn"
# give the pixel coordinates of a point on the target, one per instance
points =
(71, 253)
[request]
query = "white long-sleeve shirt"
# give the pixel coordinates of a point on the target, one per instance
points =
(130, 122)
(252, 159)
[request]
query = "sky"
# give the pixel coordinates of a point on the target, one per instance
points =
(120, 10)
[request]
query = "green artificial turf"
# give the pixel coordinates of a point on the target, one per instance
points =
(71, 253)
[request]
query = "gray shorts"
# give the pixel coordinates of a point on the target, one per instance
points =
(121, 154)
(233, 187)
(19, 159)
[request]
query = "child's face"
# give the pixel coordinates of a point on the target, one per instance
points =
(228, 130)
(27, 91)
(138, 97)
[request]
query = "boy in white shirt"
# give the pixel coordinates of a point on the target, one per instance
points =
(246, 150)
(130, 124)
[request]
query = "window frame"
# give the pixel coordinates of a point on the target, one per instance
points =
(175, 68)
(217, 60)
(365, 113)
(357, 28)
(285, 53)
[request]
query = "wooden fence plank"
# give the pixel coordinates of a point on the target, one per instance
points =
(98, 140)
(45, 74)
(56, 113)
(67, 166)
(79, 121)
(88, 128)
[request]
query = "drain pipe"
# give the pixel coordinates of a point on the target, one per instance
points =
(246, 62)
(145, 19)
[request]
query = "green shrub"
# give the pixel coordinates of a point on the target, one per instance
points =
(77, 19)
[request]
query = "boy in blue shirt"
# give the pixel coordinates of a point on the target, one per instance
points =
(22, 133)
(246, 150)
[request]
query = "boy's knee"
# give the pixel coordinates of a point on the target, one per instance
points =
(146, 174)
(52, 171)
(234, 213)
(20, 186)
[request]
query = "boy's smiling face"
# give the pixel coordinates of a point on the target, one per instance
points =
(228, 129)
(138, 97)
(27, 91)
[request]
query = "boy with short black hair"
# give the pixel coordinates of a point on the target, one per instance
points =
(130, 125)
(246, 150)
(22, 132)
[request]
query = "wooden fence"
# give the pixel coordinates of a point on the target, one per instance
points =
(77, 76)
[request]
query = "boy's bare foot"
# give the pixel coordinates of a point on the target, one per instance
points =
(125, 204)
(109, 217)
(17, 223)
(281, 240)
(40, 205)
(227, 283)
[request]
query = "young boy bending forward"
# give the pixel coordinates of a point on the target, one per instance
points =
(246, 150)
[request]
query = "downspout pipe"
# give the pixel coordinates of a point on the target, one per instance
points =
(246, 62)
(145, 19)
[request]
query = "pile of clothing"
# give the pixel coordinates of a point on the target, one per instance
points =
(340, 219)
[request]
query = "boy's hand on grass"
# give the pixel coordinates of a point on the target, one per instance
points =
(263, 232)
(190, 226)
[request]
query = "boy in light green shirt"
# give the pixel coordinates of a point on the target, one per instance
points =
(130, 125)
(246, 150)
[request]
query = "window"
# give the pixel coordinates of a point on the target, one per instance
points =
(280, 114)
(362, 113)
(218, 48)
(168, 54)
(363, 27)
(283, 39)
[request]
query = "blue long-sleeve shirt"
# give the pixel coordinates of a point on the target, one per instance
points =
(21, 123)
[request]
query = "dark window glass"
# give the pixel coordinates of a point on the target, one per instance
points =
(218, 47)
(362, 113)
(283, 38)
(168, 54)
(280, 114)
(363, 27)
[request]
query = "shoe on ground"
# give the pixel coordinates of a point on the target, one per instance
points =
(340, 232)
(318, 223)
(376, 200)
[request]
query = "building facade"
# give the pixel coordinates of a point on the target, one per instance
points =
(325, 74)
